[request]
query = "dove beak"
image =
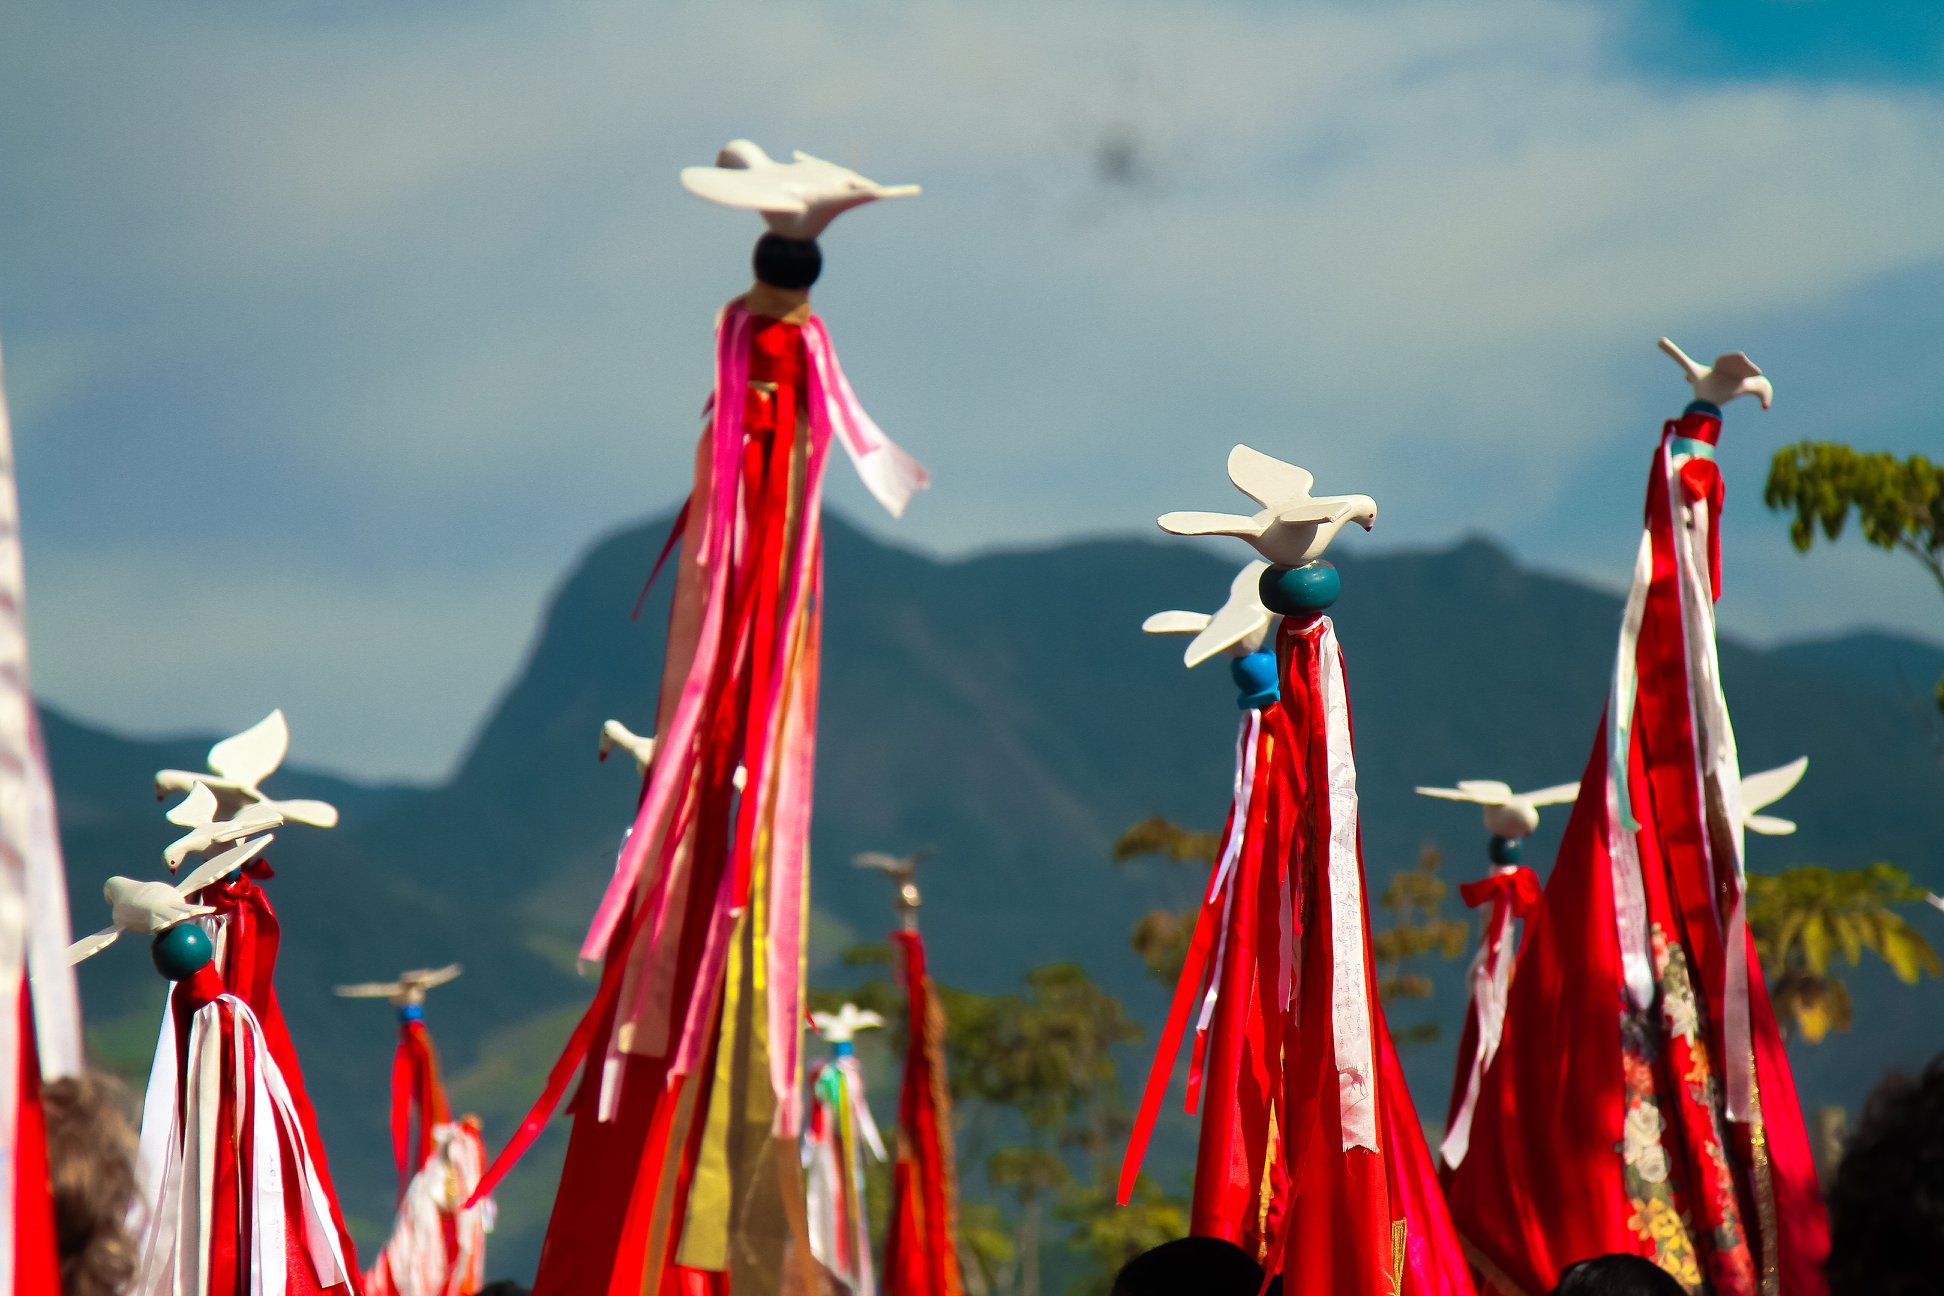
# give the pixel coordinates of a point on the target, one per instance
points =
(1764, 390)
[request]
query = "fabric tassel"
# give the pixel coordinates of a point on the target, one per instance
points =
(232, 1200)
(835, 1140)
(921, 1239)
(717, 854)
(1676, 1136)
(40, 1017)
(1510, 892)
(438, 1242)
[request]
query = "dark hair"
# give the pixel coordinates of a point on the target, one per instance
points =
(1886, 1208)
(1191, 1266)
(91, 1164)
(1617, 1275)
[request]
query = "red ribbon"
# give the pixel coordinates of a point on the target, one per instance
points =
(1517, 888)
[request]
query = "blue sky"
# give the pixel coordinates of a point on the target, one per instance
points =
(335, 332)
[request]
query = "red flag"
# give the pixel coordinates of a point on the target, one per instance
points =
(1640, 1100)
(920, 1248)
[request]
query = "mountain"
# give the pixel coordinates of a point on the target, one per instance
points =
(1003, 709)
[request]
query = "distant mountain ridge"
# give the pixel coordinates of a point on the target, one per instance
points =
(1004, 709)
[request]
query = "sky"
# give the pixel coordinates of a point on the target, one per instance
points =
(334, 332)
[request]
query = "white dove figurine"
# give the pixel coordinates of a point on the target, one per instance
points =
(1765, 789)
(1508, 814)
(1237, 628)
(197, 813)
(410, 987)
(157, 906)
(239, 765)
(615, 734)
(1294, 526)
(797, 198)
(842, 1026)
(902, 869)
(1731, 375)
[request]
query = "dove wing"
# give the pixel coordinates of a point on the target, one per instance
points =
(766, 189)
(429, 978)
(89, 946)
(1559, 794)
(1769, 825)
(1230, 626)
(196, 810)
(1265, 479)
(1176, 622)
(1228, 524)
(369, 990)
(215, 870)
(879, 860)
(254, 754)
(315, 814)
(1477, 791)
(861, 1019)
(1770, 786)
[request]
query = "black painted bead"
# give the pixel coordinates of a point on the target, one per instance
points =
(1505, 850)
(787, 263)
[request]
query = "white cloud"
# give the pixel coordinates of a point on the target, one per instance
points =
(424, 270)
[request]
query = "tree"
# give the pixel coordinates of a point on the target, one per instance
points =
(1415, 897)
(1804, 916)
(1161, 936)
(1898, 502)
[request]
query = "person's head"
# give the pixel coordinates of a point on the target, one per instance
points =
(1886, 1207)
(91, 1163)
(1617, 1275)
(1192, 1266)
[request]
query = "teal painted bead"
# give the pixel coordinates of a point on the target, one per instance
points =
(1301, 591)
(181, 950)
(1505, 850)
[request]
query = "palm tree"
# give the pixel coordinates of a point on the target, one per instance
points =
(1801, 918)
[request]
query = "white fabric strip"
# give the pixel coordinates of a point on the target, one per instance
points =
(1623, 854)
(1717, 773)
(1349, 979)
(1490, 976)
(1245, 760)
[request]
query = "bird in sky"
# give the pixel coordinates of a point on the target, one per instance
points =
(151, 907)
(1237, 628)
(1731, 375)
(197, 813)
(1508, 814)
(410, 987)
(798, 199)
(1294, 527)
(239, 765)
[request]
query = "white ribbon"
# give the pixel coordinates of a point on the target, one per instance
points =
(1490, 976)
(1349, 977)
(1717, 780)
(1623, 853)
(891, 475)
(1245, 754)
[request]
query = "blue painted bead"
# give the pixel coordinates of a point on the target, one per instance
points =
(842, 1048)
(1505, 850)
(1256, 679)
(181, 950)
(411, 1012)
(1301, 591)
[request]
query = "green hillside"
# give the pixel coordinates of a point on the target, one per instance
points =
(1004, 710)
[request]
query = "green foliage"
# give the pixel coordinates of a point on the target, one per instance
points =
(1803, 917)
(1416, 899)
(1161, 936)
(1110, 1235)
(1898, 502)
(1164, 837)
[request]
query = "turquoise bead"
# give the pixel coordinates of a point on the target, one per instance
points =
(1255, 679)
(1505, 850)
(1301, 591)
(180, 951)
